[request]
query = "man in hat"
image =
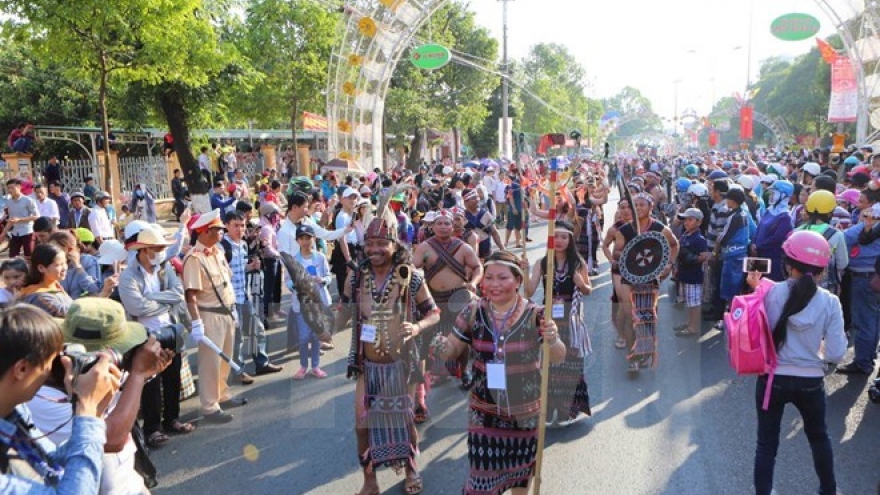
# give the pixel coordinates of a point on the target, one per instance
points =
(452, 272)
(98, 325)
(211, 301)
(78, 216)
(152, 294)
(390, 306)
(482, 223)
(31, 343)
(99, 220)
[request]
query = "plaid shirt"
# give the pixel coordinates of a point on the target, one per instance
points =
(237, 266)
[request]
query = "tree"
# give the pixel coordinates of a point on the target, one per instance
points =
(552, 97)
(289, 43)
(636, 113)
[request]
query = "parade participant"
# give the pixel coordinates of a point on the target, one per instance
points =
(505, 331)
(693, 252)
(210, 301)
(640, 301)
(462, 229)
(652, 187)
(318, 268)
(568, 395)
(515, 213)
(390, 305)
(29, 462)
(774, 228)
(452, 272)
(143, 288)
(807, 326)
(622, 217)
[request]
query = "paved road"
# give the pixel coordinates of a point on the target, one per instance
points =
(686, 427)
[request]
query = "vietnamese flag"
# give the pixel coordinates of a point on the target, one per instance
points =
(829, 54)
(745, 123)
(713, 138)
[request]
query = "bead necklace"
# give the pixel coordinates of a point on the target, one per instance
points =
(382, 343)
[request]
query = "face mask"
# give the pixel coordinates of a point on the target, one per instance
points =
(159, 259)
(139, 193)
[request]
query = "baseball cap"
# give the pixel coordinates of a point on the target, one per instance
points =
(691, 213)
(305, 230)
(860, 179)
(349, 192)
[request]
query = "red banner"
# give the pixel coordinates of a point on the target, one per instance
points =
(713, 139)
(745, 123)
(312, 122)
(829, 54)
(844, 102)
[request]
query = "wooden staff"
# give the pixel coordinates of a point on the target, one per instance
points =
(548, 315)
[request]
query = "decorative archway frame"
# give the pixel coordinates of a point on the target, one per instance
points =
(377, 33)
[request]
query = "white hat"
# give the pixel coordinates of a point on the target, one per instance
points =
(268, 207)
(134, 227)
(812, 168)
(430, 216)
(206, 220)
(151, 236)
(447, 170)
(110, 252)
(348, 192)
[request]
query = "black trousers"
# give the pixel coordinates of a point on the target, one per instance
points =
(160, 399)
(271, 283)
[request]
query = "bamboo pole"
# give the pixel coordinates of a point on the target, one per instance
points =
(548, 315)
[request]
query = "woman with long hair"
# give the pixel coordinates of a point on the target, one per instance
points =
(505, 330)
(42, 286)
(568, 394)
(807, 325)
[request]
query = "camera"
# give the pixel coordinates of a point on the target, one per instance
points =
(81, 360)
(170, 337)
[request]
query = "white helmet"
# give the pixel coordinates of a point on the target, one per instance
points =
(812, 168)
(699, 190)
(134, 227)
(746, 181)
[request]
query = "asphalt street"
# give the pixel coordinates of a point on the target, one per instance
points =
(686, 427)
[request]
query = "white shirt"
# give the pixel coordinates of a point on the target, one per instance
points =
(48, 208)
(99, 223)
(499, 192)
(204, 162)
(152, 285)
(343, 219)
(287, 235)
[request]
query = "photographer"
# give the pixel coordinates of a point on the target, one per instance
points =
(99, 324)
(29, 463)
(152, 294)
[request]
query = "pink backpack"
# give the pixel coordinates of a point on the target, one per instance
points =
(749, 337)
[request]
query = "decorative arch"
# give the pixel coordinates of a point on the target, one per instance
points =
(376, 33)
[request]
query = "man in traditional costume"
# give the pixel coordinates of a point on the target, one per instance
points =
(452, 272)
(390, 306)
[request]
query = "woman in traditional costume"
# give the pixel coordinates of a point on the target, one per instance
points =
(506, 332)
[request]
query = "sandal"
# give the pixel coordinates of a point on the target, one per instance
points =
(412, 486)
(178, 428)
(157, 439)
(420, 414)
(620, 343)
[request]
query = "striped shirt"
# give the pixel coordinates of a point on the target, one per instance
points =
(237, 265)
(717, 222)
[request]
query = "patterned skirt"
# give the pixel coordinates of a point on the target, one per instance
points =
(568, 390)
(501, 454)
(389, 417)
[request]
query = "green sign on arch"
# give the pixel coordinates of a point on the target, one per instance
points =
(794, 27)
(430, 56)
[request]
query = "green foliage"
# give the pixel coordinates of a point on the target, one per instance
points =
(551, 73)
(636, 114)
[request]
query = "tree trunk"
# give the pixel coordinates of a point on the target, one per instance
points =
(105, 126)
(293, 166)
(456, 143)
(415, 150)
(171, 101)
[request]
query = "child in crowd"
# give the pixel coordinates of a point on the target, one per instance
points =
(13, 273)
(318, 268)
(692, 253)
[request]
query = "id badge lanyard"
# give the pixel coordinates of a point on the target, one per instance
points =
(496, 371)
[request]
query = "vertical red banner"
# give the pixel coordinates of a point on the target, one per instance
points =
(745, 123)
(713, 139)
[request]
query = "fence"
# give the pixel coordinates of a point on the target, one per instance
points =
(151, 171)
(250, 163)
(73, 173)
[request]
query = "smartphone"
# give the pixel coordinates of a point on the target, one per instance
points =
(761, 265)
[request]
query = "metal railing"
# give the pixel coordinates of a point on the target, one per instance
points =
(73, 173)
(151, 171)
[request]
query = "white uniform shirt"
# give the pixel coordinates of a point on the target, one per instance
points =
(48, 208)
(99, 223)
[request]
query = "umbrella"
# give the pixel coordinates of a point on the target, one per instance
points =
(343, 166)
(472, 164)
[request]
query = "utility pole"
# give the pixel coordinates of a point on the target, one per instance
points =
(505, 123)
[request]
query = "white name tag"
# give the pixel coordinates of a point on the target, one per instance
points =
(496, 375)
(368, 333)
(558, 311)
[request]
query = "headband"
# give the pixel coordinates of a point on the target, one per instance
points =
(647, 197)
(563, 229)
(505, 263)
(444, 213)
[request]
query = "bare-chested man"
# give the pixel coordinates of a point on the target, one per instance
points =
(452, 271)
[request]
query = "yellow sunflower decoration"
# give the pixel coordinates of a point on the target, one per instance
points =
(349, 88)
(344, 126)
(390, 4)
(345, 155)
(367, 27)
(355, 60)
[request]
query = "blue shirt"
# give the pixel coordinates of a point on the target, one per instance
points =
(861, 257)
(696, 243)
(81, 456)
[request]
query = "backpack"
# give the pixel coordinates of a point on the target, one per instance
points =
(749, 337)
(227, 249)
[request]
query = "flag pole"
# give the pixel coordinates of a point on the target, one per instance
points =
(548, 314)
